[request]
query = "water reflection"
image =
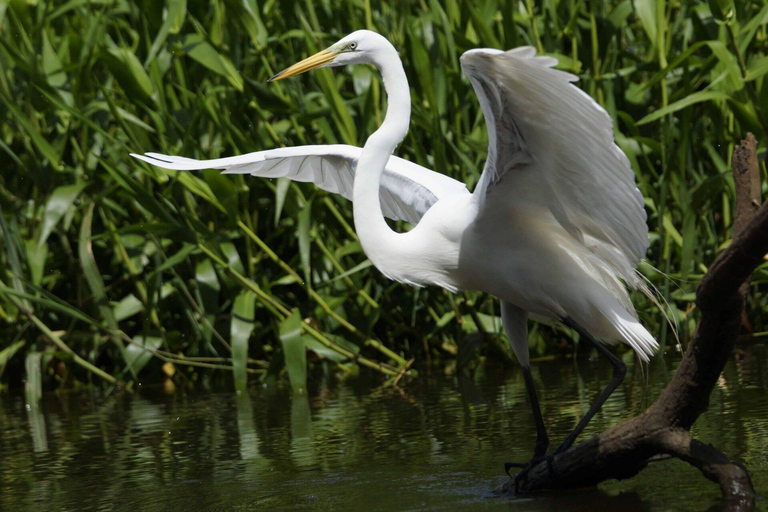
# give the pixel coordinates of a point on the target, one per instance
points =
(246, 428)
(302, 447)
(436, 444)
(37, 428)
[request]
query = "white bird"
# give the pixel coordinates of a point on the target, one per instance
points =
(554, 228)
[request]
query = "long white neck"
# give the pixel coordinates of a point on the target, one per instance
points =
(376, 237)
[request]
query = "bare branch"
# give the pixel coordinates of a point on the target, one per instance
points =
(733, 478)
(746, 176)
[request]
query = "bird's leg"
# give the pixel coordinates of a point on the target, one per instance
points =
(516, 327)
(542, 439)
(619, 370)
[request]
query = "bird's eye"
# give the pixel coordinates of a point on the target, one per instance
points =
(352, 45)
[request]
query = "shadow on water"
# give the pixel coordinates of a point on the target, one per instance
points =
(438, 443)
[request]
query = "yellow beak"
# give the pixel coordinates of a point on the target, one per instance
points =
(321, 58)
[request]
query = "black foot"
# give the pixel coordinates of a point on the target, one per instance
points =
(522, 465)
(526, 467)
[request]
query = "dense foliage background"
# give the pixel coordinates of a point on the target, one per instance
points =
(112, 269)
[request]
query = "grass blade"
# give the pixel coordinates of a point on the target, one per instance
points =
(240, 332)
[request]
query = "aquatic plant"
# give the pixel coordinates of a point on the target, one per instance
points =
(115, 269)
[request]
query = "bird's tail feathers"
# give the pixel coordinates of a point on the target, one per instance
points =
(637, 337)
(647, 288)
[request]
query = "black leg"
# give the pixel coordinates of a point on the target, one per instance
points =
(619, 371)
(542, 440)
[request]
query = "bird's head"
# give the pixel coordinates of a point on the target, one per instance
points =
(362, 46)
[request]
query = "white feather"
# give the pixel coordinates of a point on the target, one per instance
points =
(408, 190)
(579, 173)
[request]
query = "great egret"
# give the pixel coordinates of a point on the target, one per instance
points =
(553, 227)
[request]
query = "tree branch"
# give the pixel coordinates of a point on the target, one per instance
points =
(733, 478)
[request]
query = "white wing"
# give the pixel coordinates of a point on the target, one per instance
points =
(408, 190)
(551, 144)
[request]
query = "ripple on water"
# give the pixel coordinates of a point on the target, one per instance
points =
(436, 444)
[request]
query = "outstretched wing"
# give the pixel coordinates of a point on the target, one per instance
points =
(551, 144)
(408, 190)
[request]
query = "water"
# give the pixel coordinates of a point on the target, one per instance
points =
(437, 443)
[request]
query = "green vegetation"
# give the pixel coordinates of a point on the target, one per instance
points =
(113, 269)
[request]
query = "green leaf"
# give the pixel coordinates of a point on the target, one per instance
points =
(421, 60)
(129, 72)
(619, 15)
(240, 332)
(36, 255)
(352, 247)
(339, 110)
(37, 138)
(177, 13)
(671, 230)
(201, 50)
(174, 260)
(489, 323)
(33, 385)
(362, 78)
(12, 248)
(727, 70)
(224, 190)
(8, 352)
(91, 270)
(127, 307)
(232, 256)
(696, 97)
(354, 270)
(757, 68)
(51, 302)
(482, 27)
(281, 190)
(130, 305)
(294, 350)
(174, 20)
(251, 20)
(689, 244)
(52, 65)
(722, 10)
(138, 353)
(646, 13)
(565, 62)
(200, 188)
(674, 64)
(209, 287)
(305, 222)
(332, 355)
(208, 284)
(59, 202)
(141, 194)
(748, 30)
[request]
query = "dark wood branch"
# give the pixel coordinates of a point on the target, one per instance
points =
(746, 176)
(622, 451)
(720, 298)
(713, 464)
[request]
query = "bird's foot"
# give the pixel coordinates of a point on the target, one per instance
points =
(526, 467)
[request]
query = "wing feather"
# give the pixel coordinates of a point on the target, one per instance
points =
(407, 189)
(538, 120)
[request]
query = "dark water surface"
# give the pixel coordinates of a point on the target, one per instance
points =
(438, 443)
